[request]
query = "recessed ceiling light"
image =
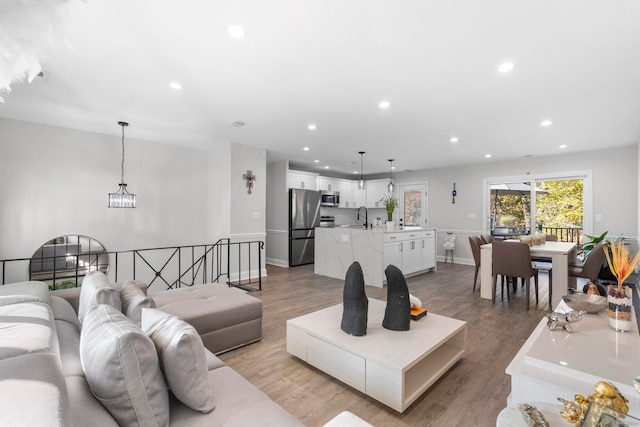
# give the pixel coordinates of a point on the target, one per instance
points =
(355, 172)
(487, 156)
(175, 85)
(311, 127)
(454, 139)
(316, 161)
(326, 167)
(506, 67)
(545, 123)
(305, 148)
(562, 146)
(384, 104)
(237, 31)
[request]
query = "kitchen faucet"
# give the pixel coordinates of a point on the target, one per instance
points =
(366, 222)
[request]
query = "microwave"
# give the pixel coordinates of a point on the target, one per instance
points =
(329, 198)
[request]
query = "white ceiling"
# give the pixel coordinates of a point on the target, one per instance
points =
(330, 62)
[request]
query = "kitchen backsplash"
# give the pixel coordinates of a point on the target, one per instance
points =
(345, 216)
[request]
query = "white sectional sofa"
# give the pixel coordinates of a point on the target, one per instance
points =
(56, 371)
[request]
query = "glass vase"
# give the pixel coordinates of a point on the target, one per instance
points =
(619, 308)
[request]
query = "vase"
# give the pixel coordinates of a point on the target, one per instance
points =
(619, 308)
(390, 225)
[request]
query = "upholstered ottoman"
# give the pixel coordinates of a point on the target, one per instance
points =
(224, 317)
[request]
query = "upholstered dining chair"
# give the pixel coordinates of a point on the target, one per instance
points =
(486, 238)
(591, 267)
(513, 259)
(475, 243)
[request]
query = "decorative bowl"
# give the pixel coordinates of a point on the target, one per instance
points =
(585, 302)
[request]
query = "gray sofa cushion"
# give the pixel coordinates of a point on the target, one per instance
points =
(26, 327)
(62, 310)
(85, 409)
(182, 358)
(238, 403)
(122, 368)
(34, 392)
(224, 317)
(134, 300)
(39, 291)
(96, 290)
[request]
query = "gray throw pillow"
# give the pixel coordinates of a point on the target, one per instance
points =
(134, 300)
(121, 366)
(96, 289)
(182, 358)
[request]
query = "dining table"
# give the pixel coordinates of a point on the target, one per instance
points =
(562, 254)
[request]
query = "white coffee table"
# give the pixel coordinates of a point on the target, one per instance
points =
(392, 367)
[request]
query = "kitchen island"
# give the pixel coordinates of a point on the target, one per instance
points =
(411, 249)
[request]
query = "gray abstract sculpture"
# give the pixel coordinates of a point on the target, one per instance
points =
(397, 315)
(355, 302)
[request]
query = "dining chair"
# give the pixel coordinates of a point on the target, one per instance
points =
(551, 237)
(590, 269)
(486, 238)
(475, 243)
(513, 259)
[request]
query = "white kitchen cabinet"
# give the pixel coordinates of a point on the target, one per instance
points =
(428, 243)
(346, 188)
(412, 253)
(359, 196)
(376, 190)
(392, 251)
(303, 180)
(328, 184)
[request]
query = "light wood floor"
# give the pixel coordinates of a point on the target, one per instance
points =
(472, 393)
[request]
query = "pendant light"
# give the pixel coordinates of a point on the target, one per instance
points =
(361, 181)
(390, 187)
(122, 198)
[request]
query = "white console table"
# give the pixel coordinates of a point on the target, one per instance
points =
(554, 364)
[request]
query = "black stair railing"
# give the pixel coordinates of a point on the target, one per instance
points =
(238, 263)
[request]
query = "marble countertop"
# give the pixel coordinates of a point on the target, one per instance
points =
(377, 229)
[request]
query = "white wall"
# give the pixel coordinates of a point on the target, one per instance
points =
(248, 210)
(277, 241)
(615, 188)
(218, 195)
(55, 181)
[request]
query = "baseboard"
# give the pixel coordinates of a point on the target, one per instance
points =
(245, 275)
(462, 261)
(277, 262)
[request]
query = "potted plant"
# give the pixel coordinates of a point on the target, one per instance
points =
(390, 204)
(588, 246)
(621, 264)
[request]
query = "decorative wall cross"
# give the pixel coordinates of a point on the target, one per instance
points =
(250, 177)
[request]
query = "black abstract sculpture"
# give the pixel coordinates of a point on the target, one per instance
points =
(355, 302)
(397, 315)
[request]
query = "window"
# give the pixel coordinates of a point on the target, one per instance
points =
(560, 205)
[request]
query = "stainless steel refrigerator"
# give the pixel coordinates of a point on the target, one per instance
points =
(304, 216)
